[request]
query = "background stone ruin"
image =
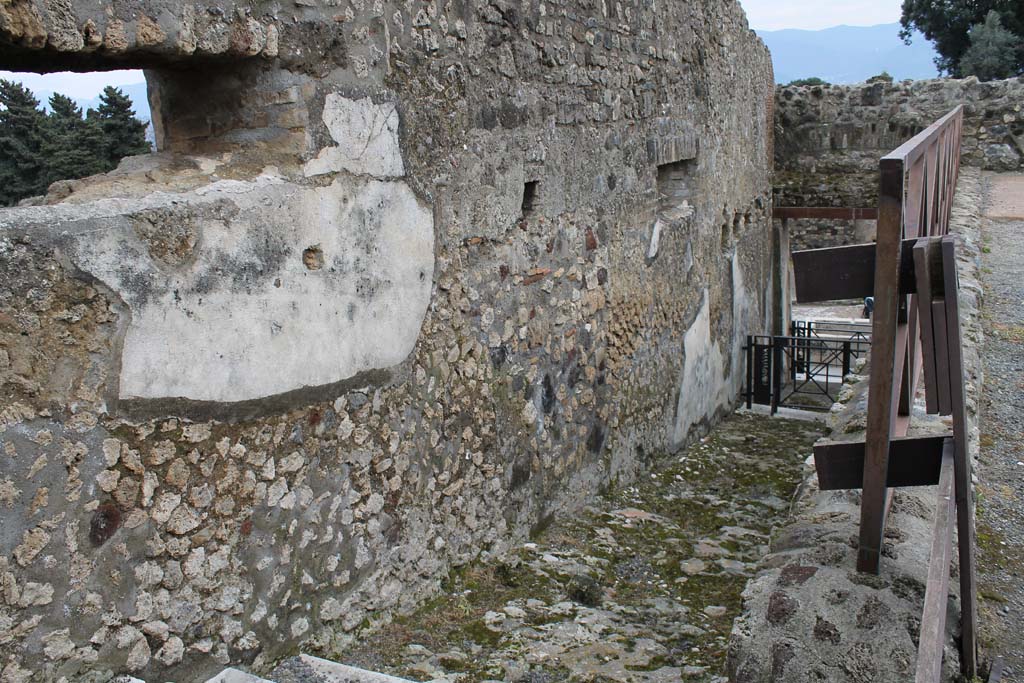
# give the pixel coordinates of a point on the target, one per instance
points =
(405, 281)
(829, 140)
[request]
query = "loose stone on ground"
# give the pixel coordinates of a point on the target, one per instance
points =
(641, 586)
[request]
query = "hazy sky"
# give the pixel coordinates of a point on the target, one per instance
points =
(77, 86)
(770, 15)
(765, 15)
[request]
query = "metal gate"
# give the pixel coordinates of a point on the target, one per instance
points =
(803, 372)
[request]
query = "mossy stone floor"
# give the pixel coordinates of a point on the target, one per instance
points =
(641, 586)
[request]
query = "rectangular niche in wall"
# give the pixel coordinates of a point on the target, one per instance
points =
(530, 199)
(675, 187)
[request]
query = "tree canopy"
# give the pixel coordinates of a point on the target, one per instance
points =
(994, 51)
(948, 25)
(125, 135)
(38, 148)
(814, 80)
(22, 169)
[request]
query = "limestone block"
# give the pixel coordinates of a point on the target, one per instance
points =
(236, 676)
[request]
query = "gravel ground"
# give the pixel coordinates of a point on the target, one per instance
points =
(1001, 472)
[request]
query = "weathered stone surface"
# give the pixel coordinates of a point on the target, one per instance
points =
(381, 304)
(831, 138)
(208, 333)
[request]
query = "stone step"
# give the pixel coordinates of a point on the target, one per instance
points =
(304, 669)
(309, 669)
(236, 676)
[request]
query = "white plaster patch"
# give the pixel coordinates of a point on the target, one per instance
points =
(745, 320)
(652, 250)
(367, 137)
(704, 386)
(250, 315)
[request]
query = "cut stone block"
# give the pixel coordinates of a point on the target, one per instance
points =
(236, 676)
(309, 669)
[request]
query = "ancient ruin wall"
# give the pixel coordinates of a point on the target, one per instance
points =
(406, 280)
(829, 140)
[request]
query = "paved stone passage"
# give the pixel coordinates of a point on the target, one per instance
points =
(1001, 472)
(641, 586)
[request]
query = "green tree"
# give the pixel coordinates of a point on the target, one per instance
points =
(37, 149)
(72, 146)
(22, 169)
(125, 135)
(814, 80)
(948, 23)
(994, 51)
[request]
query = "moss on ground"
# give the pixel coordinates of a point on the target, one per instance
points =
(722, 495)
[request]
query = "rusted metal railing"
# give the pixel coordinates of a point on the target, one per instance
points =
(911, 273)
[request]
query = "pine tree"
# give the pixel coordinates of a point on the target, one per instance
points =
(72, 147)
(994, 51)
(37, 149)
(125, 134)
(948, 23)
(22, 167)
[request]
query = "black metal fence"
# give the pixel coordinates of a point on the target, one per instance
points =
(804, 372)
(832, 330)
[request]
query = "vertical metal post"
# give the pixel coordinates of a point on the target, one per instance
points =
(777, 343)
(846, 358)
(750, 371)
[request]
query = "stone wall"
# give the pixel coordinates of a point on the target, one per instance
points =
(829, 140)
(407, 280)
(806, 233)
(808, 614)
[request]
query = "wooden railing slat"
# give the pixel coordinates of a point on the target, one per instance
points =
(913, 461)
(932, 641)
(922, 273)
(845, 272)
(941, 355)
(886, 355)
(964, 486)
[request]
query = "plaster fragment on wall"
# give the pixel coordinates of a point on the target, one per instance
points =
(703, 388)
(652, 250)
(746, 319)
(247, 317)
(367, 137)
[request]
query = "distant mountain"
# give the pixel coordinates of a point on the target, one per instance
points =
(849, 54)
